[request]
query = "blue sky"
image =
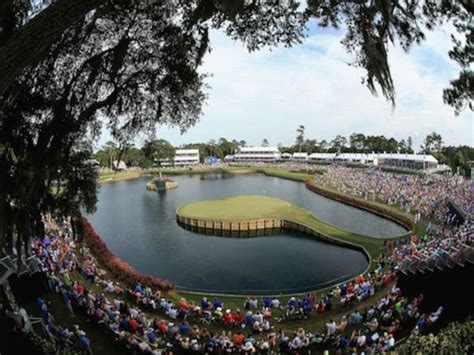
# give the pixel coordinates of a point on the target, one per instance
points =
(267, 94)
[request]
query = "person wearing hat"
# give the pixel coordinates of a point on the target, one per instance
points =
(218, 313)
(249, 319)
(194, 345)
(248, 347)
(228, 319)
(253, 301)
(205, 304)
(171, 330)
(257, 327)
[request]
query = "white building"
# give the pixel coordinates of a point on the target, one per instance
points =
(300, 156)
(286, 156)
(246, 154)
(183, 157)
(419, 162)
(119, 165)
(409, 162)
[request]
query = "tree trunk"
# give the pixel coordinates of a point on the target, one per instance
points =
(10, 297)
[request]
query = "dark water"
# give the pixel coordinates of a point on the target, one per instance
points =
(140, 227)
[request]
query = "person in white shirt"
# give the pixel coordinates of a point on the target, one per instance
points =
(172, 313)
(331, 328)
(361, 340)
(296, 343)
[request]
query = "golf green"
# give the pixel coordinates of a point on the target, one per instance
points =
(244, 207)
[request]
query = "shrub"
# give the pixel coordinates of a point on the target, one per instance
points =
(456, 338)
(117, 267)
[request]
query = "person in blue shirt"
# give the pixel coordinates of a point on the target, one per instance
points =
(343, 342)
(266, 302)
(124, 323)
(151, 337)
(249, 319)
(184, 328)
(283, 345)
(85, 343)
(218, 303)
(249, 339)
(39, 302)
(138, 288)
(205, 303)
(182, 314)
(421, 323)
(307, 308)
(356, 318)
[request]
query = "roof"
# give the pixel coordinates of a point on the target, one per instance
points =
(259, 149)
(187, 151)
(399, 156)
(300, 155)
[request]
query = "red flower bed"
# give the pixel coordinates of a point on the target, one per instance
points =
(115, 266)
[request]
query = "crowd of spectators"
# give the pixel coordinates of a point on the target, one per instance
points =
(425, 194)
(148, 321)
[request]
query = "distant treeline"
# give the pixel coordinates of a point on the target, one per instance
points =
(153, 151)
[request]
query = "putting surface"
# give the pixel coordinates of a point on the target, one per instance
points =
(246, 207)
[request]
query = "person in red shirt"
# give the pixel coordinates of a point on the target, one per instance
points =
(162, 327)
(183, 304)
(350, 288)
(238, 339)
(133, 324)
(228, 319)
(321, 307)
(238, 317)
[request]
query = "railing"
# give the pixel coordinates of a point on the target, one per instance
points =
(440, 259)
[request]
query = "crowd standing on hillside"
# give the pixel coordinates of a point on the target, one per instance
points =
(427, 195)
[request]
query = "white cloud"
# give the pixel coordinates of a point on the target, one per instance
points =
(267, 94)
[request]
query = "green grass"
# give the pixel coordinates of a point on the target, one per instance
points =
(129, 175)
(240, 208)
(119, 176)
(286, 174)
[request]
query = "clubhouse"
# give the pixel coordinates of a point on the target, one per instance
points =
(183, 157)
(263, 154)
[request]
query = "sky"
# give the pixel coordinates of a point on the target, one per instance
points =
(267, 94)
